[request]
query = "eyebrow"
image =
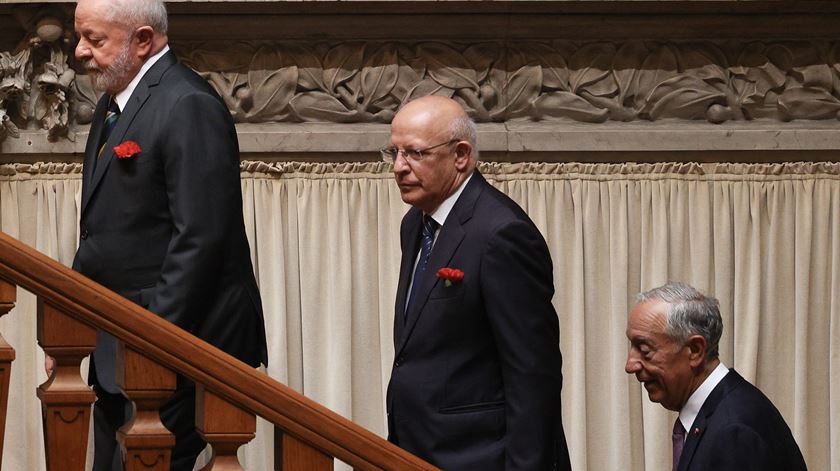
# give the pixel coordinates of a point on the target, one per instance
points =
(641, 339)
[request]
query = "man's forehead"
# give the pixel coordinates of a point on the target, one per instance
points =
(649, 317)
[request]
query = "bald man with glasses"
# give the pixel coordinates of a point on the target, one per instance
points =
(476, 377)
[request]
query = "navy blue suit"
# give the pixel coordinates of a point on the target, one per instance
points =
(739, 429)
(164, 228)
(476, 380)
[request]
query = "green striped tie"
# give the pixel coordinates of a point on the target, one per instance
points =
(111, 118)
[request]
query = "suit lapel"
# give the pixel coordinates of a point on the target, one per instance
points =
(92, 146)
(138, 98)
(410, 240)
(698, 428)
(448, 240)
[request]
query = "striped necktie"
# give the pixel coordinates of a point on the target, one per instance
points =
(427, 239)
(111, 118)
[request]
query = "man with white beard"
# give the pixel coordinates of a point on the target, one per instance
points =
(161, 215)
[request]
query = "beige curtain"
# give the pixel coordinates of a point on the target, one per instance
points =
(765, 239)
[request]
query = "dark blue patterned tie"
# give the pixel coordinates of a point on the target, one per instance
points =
(111, 117)
(428, 238)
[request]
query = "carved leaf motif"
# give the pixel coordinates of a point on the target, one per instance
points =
(755, 65)
(85, 99)
(626, 64)
(483, 56)
(227, 57)
(271, 86)
(704, 62)
(808, 103)
(447, 66)
(379, 75)
(427, 87)
(683, 97)
(310, 69)
(407, 78)
(658, 67)
(834, 60)
(554, 68)
(319, 106)
(815, 75)
(752, 79)
(521, 89)
(568, 105)
(757, 106)
(409, 57)
(591, 69)
(342, 63)
(808, 67)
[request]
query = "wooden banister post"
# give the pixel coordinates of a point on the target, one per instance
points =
(291, 454)
(146, 443)
(224, 426)
(8, 293)
(65, 397)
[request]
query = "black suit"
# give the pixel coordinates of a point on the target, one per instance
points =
(165, 229)
(476, 380)
(739, 429)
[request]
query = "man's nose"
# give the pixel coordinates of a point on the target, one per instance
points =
(632, 366)
(400, 164)
(82, 50)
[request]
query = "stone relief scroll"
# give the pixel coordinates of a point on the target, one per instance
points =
(498, 81)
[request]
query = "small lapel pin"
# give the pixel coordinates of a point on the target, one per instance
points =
(696, 430)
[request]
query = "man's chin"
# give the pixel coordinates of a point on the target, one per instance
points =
(654, 392)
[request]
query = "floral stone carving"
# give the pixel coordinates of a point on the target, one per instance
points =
(498, 81)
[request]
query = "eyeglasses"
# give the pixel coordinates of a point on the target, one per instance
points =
(390, 153)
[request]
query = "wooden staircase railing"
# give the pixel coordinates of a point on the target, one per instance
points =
(230, 394)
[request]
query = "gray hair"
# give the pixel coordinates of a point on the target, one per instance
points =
(464, 129)
(136, 13)
(690, 312)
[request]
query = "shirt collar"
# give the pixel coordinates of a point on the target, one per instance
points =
(698, 397)
(123, 96)
(442, 211)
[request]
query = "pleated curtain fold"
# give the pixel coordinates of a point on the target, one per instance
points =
(763, 238)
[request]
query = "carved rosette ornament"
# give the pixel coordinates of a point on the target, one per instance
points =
(499, 81)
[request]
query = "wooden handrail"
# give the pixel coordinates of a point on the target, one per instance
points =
(205, 364)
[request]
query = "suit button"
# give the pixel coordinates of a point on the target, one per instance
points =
(399, 361)
(84, 234)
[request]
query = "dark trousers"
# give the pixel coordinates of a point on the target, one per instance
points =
(111, 411)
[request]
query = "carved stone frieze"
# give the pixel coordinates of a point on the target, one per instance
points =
(497, 81)
(500, 81)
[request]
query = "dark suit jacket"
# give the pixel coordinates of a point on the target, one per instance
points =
(476, 379)
(739, 429)
(165, 228)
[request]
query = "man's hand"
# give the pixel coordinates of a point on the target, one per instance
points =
(49, 365)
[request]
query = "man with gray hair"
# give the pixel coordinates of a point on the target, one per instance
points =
(161, 215)
(725, 423)
(476, 378)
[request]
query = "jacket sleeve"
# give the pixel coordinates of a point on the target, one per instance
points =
(517, 286)
(201, 172)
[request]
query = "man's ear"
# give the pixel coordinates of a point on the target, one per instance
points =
(144, 36)
(696, 350)
(463, 151)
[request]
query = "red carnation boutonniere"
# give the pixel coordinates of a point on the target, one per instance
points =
(127, 150)
(450, 275)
